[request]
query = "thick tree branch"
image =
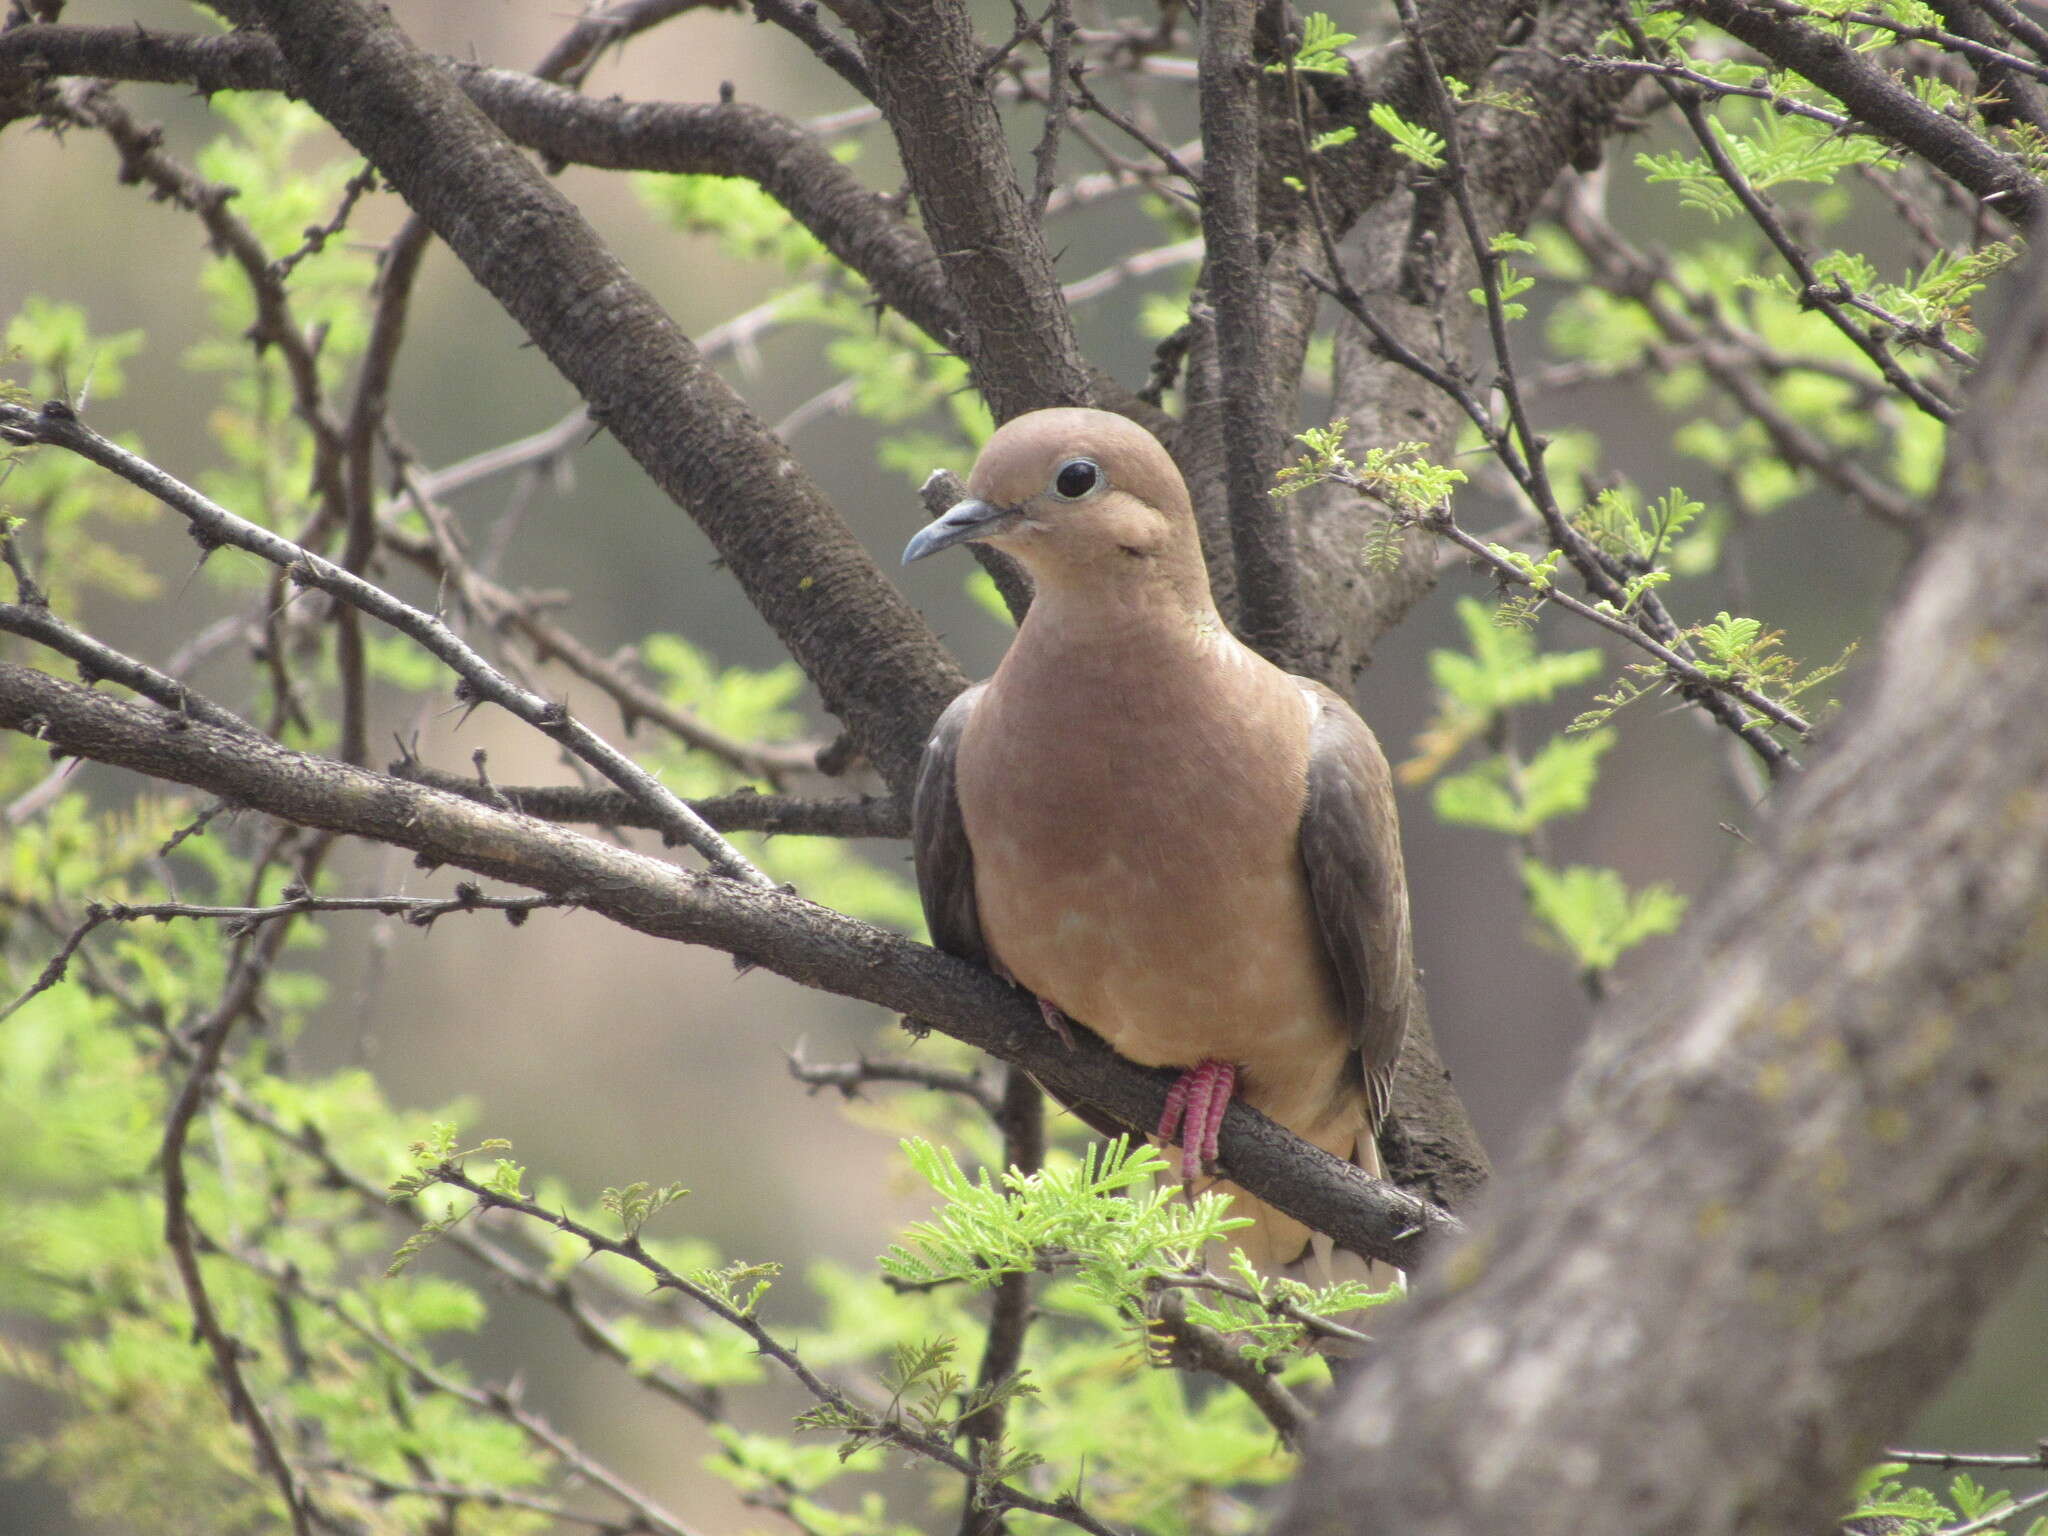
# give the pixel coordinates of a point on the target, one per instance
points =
(859, 227)
(872, 659)
(1789, 1178)
(931, 82)
(1261, 525)
(1868, 90)
(770, 928)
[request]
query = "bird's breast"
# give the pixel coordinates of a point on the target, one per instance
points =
(1137, 863)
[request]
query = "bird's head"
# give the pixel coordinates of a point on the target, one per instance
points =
(1077, 496)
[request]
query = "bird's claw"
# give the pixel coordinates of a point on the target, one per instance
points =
(1056, 1022)
(1193, 1117)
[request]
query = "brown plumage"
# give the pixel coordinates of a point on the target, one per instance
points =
(1161, 834)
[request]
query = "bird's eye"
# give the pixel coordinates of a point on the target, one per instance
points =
(1077, 477)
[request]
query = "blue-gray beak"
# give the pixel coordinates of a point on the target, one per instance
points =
(969, 519)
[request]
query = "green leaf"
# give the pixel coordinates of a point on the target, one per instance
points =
(1321, 48)
(1593, 916)
(1412, 140)
(634, 1204)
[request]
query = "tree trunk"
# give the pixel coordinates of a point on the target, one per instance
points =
(1790, 1177)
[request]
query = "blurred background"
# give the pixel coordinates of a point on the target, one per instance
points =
(605, 1057)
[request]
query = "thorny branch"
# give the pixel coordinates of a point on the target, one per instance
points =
(810, 944)
(877, 1424)
(1517, 446)
(499, 1402)
(57, 425)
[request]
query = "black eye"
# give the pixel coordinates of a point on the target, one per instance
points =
(1077, 477)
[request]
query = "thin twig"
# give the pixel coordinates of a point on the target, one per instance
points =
(1518, 448)
(849, 1077)
(742, 811)
(1950, 1460)
(1276, 1305)
(58, 426)
(880, 1426)
(1056, 33)
(1948, 42)
(1202, 1348)
(497, 1401)
(251, 964)
(1998, 1516)
(482, 1497)
(1158, 148)
(97, 660)
(1021, 1115)
(1683, 671)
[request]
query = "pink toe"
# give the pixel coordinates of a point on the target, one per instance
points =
(1176, 1106)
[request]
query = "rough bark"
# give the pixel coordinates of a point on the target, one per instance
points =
(1016, 335)
(1787, 1180)
(1250, 394)
(874, 662)
(1414, 267)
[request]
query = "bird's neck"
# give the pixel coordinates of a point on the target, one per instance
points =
(1075, 630)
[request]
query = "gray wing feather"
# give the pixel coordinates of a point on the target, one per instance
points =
(938, 839)
(1351, 852)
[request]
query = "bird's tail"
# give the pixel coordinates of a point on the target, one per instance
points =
(1277, 1244)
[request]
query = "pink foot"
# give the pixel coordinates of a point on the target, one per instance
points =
(1056, 1022)
(1194, 1114)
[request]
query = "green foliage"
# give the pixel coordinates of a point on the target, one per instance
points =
(1265, 1325)
(62, 505)
(1501, 795)
(1770, 150)
(88, 1070)
(1638, 536)
(1512, 283)
(1882, 1494)
(896, 379)
(637, 1202)
(989, 1228)
(1591, 914)
(1502, 669)
(1411, 140)
(1399, 475)
(268, 447)
(1321, 50)
(1587, 913)
(747, 223)
(1743, 651)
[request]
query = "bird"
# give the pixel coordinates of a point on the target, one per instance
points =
(1155, 830)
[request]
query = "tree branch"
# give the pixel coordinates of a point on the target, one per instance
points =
(1870, 92)
(930, 80)
(1261, 525)
(742, 811)
(771, 928)
(873, 660)
(1791, 1175)
(213, 526)
(861, 228)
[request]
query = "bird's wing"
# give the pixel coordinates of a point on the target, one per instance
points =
(1351, 852)
(938, 838)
